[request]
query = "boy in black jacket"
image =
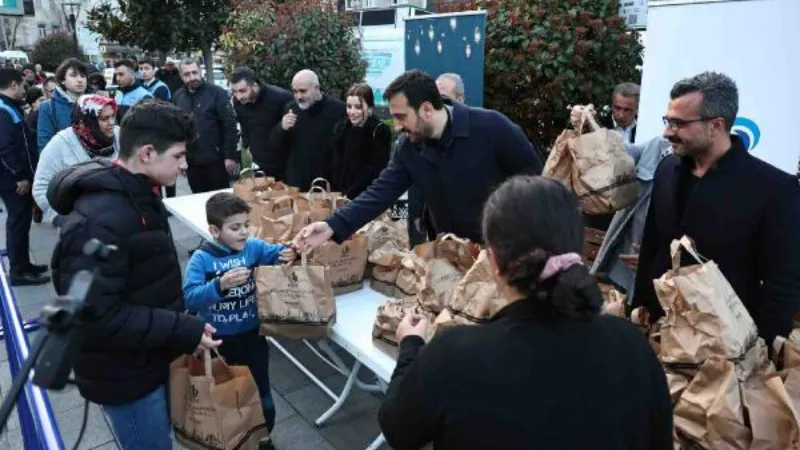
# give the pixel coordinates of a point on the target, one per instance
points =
(137, 326)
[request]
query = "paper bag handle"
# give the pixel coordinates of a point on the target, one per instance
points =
(676, 249)
(317, 190)
(327, 183)
(452, 237)
(249, 173)
(207, 361)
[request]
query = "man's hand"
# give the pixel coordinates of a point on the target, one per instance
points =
(23, 187)
(288, 121)
(232, 166)
(287, 255)
(233, 278)
(412, 325)
(313, 236)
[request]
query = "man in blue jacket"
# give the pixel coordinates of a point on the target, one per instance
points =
(18, 156)
(155, 86)
(130, 90)
(456, 155)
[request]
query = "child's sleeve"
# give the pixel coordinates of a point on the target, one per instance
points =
(199, 294)
(266, 254)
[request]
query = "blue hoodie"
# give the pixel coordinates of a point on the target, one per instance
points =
(54, 116)
(234, 311)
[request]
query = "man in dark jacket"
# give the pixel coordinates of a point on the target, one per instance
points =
(303, 135)
(213, 156)
(18, 155)
(259, 108)
(135, 324)
(455, 155)
(741, 212)
(169, 74)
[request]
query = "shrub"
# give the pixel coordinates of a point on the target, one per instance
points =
(50, 50)
(544, 55)
(278, 40)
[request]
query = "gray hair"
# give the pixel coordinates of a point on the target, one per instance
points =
(720, 95)
(187, 62)
(627, 90)
(458, 83)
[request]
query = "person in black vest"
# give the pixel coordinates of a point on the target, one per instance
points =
(18, 155)
(548, 371)
(213, 157)
(259, 108)
(741, 212)
(135, 322)
(456, 155)
(303, 135)
(359, 146)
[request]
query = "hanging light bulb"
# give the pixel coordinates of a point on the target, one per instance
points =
(453, 23)
(477, 35)
(417, 47)
(439, 47)
(468, 50)
(430, 32)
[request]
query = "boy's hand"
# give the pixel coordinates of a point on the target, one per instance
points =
(233, 278)
(288, 254)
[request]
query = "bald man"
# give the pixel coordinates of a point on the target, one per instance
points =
(301, 138)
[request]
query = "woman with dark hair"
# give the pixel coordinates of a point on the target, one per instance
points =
(55, 115)
(547, 371)
(96, 84)
(360, 145)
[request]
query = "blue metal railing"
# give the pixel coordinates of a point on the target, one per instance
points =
(36, 421)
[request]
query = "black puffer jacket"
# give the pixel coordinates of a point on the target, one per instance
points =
(135, 307)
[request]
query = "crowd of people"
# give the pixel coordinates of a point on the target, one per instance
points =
(517, 380)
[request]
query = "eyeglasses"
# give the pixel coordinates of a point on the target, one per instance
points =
(675, 124)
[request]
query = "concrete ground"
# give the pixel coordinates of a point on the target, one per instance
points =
(298, 401)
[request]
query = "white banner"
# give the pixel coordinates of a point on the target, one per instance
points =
(385, 56)
(753, 42)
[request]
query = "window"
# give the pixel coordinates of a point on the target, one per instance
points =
(42, 30)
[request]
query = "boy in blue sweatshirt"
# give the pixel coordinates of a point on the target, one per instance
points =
(219, 286)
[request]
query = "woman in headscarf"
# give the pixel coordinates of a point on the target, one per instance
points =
(92, 134)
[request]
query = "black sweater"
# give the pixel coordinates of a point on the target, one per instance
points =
(257, 120)
(524, 382)
(357, 155)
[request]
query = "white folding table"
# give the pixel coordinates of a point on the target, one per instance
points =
(355, 315)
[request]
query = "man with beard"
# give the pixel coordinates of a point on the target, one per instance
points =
(455, 155)
(741, 212)
(301, 138)
(259, 108)
(213, 156)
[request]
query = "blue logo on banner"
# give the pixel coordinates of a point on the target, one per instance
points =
(748, 131)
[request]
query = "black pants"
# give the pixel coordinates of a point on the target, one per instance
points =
(18, 229)
(251, 350)
(208, 177)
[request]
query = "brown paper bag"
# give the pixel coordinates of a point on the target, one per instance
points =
(282, 229)
(346, 262)
(704, 316)
(773, 418)
(390, 314)
(476, 298)
(438, 285)
(710, 411)
(214, 406)
(595, 166)
(295, 301)
(386, 263)
(459, 252)
(383, 230)
(249, 185)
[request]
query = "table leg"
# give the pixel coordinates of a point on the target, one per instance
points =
(337, 364)
(303, 369)
(377, 443)
(351, 379)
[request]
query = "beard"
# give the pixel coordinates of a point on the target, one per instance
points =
(694, 147)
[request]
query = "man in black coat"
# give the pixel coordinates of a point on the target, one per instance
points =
(303, 135)
(18, 157)
(259, 108)
(135, 321)
(455, 155)
(741, 212)
(213, 157)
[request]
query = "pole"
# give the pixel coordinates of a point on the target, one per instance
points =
(72, 22)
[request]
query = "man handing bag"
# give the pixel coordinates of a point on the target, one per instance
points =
(213, 405)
